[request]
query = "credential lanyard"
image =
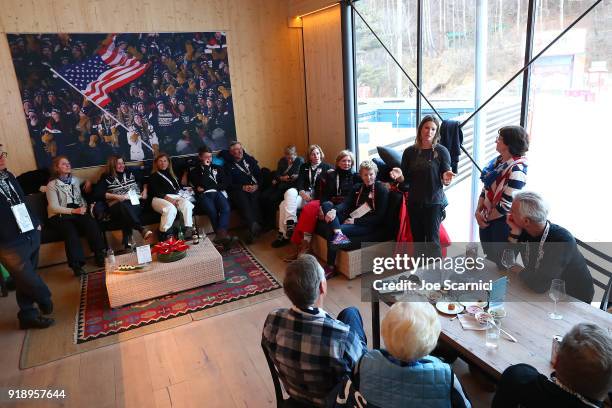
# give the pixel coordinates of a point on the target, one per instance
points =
(8, 195)
(373, 196)
(168, 180)
(212, 173)
(247, 171)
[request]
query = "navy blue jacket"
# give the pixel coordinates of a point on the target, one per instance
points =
(9, 233)
(239, 178)
(381, 200)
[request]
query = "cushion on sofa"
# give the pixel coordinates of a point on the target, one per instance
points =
(391, 157)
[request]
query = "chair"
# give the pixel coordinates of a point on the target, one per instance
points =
(598, 272)
(281, 402)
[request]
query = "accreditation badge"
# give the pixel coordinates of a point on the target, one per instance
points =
(133, 197)
(22, 217)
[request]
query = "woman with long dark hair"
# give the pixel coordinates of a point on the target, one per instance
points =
(165, 189)
(425, 170)
(123, 196)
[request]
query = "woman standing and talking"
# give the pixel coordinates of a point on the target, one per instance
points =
(425, 170)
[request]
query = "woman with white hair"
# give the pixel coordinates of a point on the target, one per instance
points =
(404, 374)
(355, 219)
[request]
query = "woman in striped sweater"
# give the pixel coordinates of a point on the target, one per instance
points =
(504, 175)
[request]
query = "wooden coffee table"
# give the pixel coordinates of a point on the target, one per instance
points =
(203, 265)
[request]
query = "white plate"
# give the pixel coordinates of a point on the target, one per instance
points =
(443, 307)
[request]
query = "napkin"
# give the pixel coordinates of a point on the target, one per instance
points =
(469, 322)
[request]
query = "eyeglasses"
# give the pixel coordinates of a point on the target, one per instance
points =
(3, 155)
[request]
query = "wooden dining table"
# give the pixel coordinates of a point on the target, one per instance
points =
(526, 319)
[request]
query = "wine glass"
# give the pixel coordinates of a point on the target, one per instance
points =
(508, 259)
(556, 293)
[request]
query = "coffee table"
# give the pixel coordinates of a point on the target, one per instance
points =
(203, 265)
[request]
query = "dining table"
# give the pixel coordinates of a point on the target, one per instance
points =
(526, 320)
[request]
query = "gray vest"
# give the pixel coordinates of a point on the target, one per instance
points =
(426, 383)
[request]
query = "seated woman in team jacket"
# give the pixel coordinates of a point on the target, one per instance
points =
(165, 188)
(337, 184)
(356, 216)
(285, 178)
(209, 182)
(307, 188)
(123, 196)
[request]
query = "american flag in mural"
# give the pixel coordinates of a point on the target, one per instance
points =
(109, 69)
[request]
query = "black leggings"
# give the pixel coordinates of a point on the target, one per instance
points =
(128, 215)
(70, 226)
(425, 223)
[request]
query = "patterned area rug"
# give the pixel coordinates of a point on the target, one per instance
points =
(245, 277)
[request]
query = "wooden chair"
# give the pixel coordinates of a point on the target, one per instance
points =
(602, 277)
(281, 402)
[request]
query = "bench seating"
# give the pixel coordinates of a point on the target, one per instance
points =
(348, 260)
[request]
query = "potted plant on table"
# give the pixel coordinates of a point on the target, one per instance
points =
(170, 250)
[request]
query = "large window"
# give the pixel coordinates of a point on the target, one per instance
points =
(386, 113)
(570, 100)
(569, 97)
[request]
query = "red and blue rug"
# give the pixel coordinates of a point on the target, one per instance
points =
(245, 277)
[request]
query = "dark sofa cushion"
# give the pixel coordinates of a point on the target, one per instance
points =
(37, 203)
(391, 157)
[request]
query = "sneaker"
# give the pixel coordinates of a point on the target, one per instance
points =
(280, 241)
(330, 271)
(290, 228)
(340, 239)
(39, 322)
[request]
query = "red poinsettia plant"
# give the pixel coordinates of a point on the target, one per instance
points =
(170, 245)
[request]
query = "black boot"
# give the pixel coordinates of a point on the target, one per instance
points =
(46, 308)
(39, 322)
(78, 270)
(290, 228)
(100, 259)
(280, 241)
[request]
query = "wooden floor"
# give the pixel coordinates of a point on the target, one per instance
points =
(216, 362)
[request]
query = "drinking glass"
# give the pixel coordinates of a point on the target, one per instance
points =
(508, 259)
(556, 293)
(492, 333)
(132, 243)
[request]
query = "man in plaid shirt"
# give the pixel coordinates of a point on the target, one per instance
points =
(310, 349)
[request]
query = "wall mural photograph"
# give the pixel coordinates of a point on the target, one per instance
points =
(87, 96)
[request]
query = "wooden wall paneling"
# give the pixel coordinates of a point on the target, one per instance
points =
(265, 57)
(13, 128)
(110, 16)
(324, 86)
(301, 7)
